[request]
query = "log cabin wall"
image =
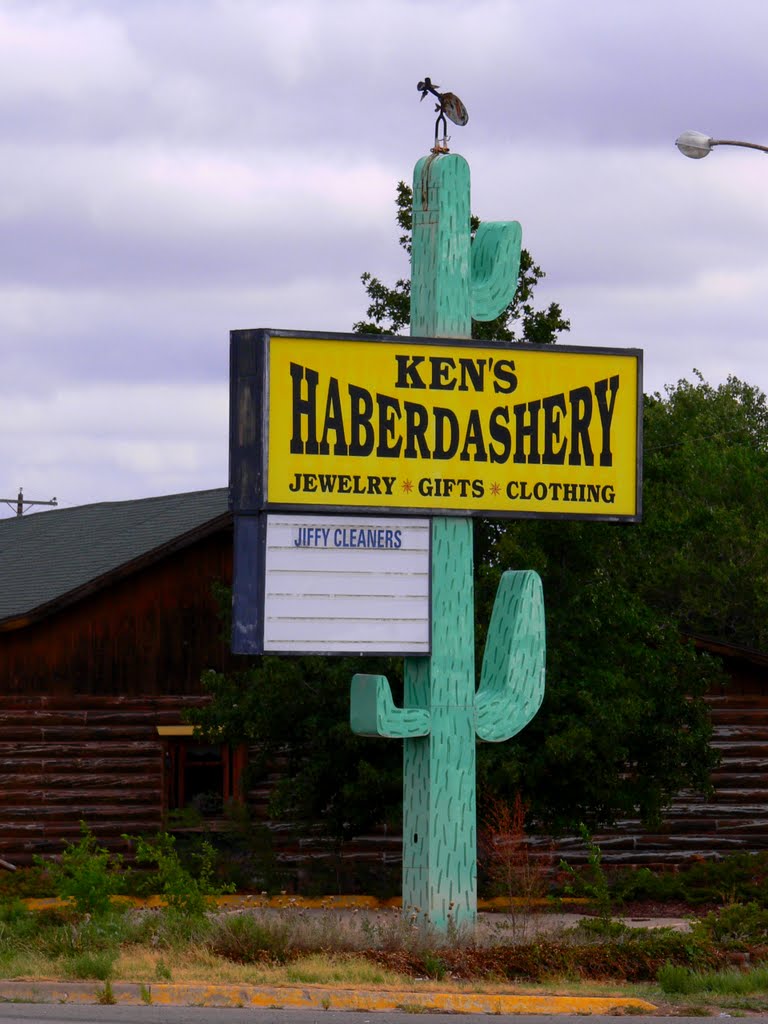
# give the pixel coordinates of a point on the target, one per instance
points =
(71, 758)
(83, 690)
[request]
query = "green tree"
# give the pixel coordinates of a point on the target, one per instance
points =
(706, 460)
(589, 755)
(295, 713)
(623, 726)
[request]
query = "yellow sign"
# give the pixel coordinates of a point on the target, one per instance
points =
(451, 426)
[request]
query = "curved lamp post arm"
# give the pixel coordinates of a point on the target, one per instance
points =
(697, 145)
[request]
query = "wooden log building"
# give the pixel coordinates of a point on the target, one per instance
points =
(108, 619)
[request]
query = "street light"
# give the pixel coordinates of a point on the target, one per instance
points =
(697, 145)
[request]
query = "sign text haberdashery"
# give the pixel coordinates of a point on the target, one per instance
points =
(446, 426)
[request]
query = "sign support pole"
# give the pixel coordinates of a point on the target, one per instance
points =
(439, 813)
(439, 808)
(452, 281)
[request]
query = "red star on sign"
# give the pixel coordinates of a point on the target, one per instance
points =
(495, 489)
(407, 486)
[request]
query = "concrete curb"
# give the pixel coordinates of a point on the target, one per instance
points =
(312, 997)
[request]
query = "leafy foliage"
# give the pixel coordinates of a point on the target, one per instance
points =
(184, 893)
(706, 479)
(296, 710)
(86, 873)
(737, 926)
(623, 726)
(593, 882)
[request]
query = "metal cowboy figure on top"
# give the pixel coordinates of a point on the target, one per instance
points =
(448, 105)
(453, 281)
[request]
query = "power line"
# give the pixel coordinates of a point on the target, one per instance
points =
(20, 502)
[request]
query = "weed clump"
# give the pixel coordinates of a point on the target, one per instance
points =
(593, 882)
(738, 926)
(86, 873)
(505, 856)
(185, 893)
(248, 938)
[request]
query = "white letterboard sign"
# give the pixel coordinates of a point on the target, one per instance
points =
(346, 585)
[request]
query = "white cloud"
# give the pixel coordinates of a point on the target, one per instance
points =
(111, 440)
(64, 54)
(171, 171)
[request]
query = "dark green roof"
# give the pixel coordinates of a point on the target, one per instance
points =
(46, 556)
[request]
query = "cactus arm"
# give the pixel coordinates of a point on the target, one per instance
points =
(495, 267)
(512, 678)
(372, 712)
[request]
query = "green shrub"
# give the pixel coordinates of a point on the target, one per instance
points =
(106, 996)
(13, 912)
(434, 966)
(739, 925)
(163, 971)
(737, 878)
(592, 881)
(165, 928)
(676, 980)
(644, 884)
(56, 937)
(601, 928)
(86, 873)
(184, 893)
(25, 883)
(17, 925)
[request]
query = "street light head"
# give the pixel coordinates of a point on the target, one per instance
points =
(694, 144)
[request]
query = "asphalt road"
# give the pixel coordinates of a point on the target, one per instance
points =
(26, 1013)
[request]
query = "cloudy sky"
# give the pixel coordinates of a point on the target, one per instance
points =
(172, 169)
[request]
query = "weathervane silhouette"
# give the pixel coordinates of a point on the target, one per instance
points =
(448, 105)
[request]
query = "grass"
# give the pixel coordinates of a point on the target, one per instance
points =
(680, 981)
(148, 967)
(89, 965)
(105, 996)
(324, 969)
(198, 963)
(293, 947)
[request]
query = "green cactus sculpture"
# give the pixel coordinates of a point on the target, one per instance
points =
(452, 281)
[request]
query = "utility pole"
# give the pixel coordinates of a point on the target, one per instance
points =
(20, 502)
